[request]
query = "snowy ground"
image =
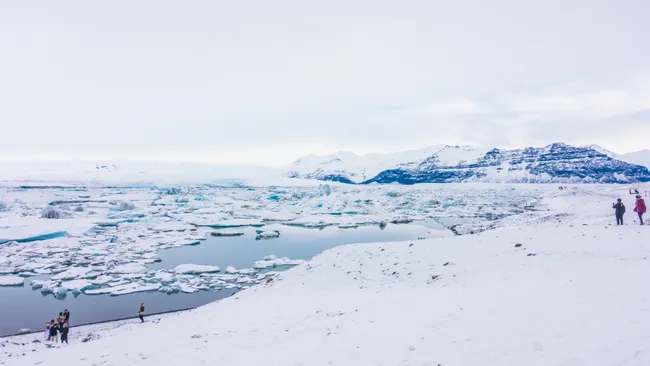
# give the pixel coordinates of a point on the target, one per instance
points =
(556, 286)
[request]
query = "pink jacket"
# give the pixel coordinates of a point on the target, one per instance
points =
(640, 206)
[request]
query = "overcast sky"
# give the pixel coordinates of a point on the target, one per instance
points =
(268, 81)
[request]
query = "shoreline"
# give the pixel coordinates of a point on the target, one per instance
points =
(101, 322)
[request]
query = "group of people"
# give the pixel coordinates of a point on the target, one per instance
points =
(639, 208)
(61, 325)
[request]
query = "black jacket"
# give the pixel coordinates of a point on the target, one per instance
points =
(620, 208)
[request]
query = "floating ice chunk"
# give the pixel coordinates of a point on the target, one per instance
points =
(231, 270)
(126, 206)
(24, 330)
(60, 292)
(195, 269)
(164, 276)
(133, 288)
(314, 221)
(77, 285)
(348, 225)
(272, 261)
(3, 206)
(237, 223)
(187, 289)
(101, 280)
(11, 281)
(227, 233)
(52, 213)
(71, 273)
(128, 268)
(188, 242)
(268, 234)
(168, 226)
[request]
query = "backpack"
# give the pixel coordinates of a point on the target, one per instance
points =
(622, 208)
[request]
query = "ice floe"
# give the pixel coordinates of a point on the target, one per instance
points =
(11, 281)
(195, 269)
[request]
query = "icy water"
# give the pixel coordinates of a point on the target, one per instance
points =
(24, 308)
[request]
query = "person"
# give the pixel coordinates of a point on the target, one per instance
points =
(47, 330)
(64, 333)
(66, 317)
(54, 328)
(59, 320)
(619, 208)
(141, 313)
(640, 208)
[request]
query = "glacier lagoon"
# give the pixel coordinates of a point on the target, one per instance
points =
(27, 308)
(162, 245)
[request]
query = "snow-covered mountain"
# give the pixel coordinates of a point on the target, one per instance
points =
(557, 162)
(639, 158)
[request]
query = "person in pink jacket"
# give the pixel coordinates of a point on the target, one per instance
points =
(640, 208)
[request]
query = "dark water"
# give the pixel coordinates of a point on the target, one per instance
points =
(23, 308)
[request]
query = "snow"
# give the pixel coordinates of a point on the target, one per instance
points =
(556, 286)
(11, 281)
(195, 269)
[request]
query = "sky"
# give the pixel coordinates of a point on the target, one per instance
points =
(265, 82)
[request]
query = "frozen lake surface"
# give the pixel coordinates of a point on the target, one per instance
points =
(100, 251)
(27, 308)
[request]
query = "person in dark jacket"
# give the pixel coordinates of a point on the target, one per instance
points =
(64, 333)
(619, 208)
(640, 208)
(54, 332)
(66, 317)
(141, 313)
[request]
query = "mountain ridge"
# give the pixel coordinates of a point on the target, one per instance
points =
(554, 163)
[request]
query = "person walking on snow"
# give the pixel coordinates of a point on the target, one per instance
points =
(640, 208)
(141, 313)
(619, 208)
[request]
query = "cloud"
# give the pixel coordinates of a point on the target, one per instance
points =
(266, 82)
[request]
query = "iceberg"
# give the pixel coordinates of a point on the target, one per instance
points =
(270, 234)
(227, 233)
(77, 285)
(11, 281)
(128, 268)
(236, 223)
(71, 273)
(195, 269)
(272, 261)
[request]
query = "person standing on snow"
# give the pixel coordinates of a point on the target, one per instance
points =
(141, 313)
(619, 208)
(640, 208)
(64, 333)
(66, 317)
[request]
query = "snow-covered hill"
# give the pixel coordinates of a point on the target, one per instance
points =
(558, 162)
